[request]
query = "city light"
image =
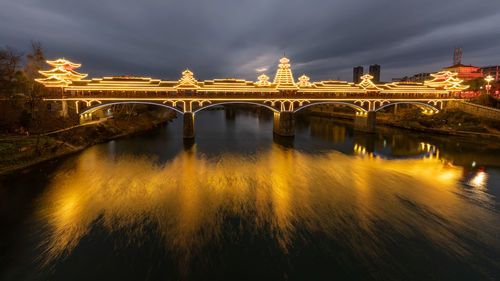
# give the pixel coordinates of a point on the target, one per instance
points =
(488, 79)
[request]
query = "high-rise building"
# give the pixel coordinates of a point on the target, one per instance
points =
(375, 72)
(357, 72)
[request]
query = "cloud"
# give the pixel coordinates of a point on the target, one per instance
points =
(223, 38)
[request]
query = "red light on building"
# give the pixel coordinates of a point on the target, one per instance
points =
(468, 94)
(465, 72)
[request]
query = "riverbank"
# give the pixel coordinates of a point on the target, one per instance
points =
(451, 122)
(21, 151)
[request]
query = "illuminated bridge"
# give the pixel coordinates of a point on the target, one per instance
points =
(283, 95)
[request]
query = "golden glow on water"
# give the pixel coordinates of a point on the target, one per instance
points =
(479, 180)
(189, 200)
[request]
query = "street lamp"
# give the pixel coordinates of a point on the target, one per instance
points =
(488, 80)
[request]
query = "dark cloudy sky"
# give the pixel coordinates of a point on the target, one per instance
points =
(234, 38)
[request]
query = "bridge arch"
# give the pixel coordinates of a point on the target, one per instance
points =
(236, 102)
(92, 109)
(354, 106)
(89, 102)
(422, 104)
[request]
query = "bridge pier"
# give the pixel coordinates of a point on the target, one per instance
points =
(365, 121)
(64, 109)
(86, 117)
(188, 125)
(230, 113)
(284, 124)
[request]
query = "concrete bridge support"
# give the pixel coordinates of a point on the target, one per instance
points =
(64, 109)
(284, 124)
(85, 118)
(230, 113)
(365, 122)
(188, 125)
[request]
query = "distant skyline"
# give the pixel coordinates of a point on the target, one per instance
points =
(225, 39)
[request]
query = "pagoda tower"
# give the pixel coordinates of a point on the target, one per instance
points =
(61, 75)
(304, 81)
(367, 83)
(284, 78)
(263, 81)
(446, 80)
(187, 80)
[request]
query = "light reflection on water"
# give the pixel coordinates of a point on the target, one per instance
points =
(282, 193)
(236, 205)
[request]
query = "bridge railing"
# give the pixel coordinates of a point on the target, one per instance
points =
(222, 95)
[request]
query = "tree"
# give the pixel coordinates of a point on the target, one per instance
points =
(33, 65)
(22, 82)
(476, 84)
(24, 119)
(10, 61)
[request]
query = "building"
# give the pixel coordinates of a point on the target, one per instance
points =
(375, 72)
(357, 72)
(465, 72)
(491, 70)
(400, 79)
(420, 77)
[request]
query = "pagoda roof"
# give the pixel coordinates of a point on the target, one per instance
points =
(64, 76)
(62, 73)
(53, 82)
(242, 85)
(57, 71)
(62, 62)
(460, 65)
(50, 79)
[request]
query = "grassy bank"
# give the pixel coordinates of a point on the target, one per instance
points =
(21, 151)
(446, 122)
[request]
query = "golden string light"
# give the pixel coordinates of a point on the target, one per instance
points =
(263, 81)
(187, 80)
(63, 75)
(446, 80)
(304, 81)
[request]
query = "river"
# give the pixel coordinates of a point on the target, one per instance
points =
(236, 204)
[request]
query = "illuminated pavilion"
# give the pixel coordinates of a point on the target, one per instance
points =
(283, 95)
(63, 75)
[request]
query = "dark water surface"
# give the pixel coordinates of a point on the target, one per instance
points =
(330, 204)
